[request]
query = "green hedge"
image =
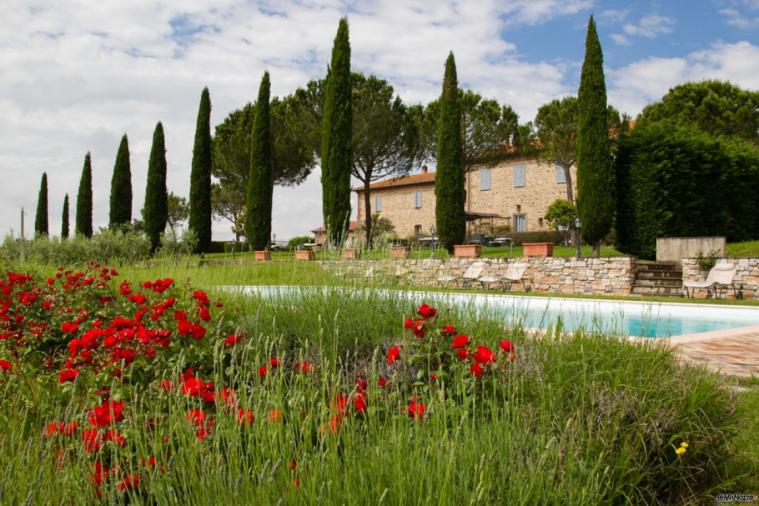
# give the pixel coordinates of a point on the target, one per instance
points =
(551, 236)
(674, 182)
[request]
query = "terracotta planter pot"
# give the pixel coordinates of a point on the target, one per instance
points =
(467, 250)
(400, 251)
(262, 256)
(349, 254)
(538, 249)
(305, 254)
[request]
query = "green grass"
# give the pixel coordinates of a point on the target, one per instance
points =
(743, 249)
(582, 420)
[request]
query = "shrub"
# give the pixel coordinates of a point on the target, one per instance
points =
(112, 246)
(298, 241)
(681, 182)
(552, 236)
(173, 246)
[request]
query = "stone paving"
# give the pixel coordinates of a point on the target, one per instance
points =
(736, 354)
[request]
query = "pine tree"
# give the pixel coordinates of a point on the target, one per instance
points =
(595, 177)
(156, 209)
(84, 200)
(336, 139)
(65, 218)
(121, 188)
(260, 183)
(40, 219)
(200, 177)
(449, 179)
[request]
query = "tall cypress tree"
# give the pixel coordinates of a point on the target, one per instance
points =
(84, 200)
(65, 218)
(200, 177)
(156, 209)
(336, 139)
(260, 183)
(449, 179)
(40, 219)
(121, 188)
(595, 177)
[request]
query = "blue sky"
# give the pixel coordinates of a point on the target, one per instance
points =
(75, 74)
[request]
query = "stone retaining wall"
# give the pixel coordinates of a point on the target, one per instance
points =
(746, 276)
(609, 275)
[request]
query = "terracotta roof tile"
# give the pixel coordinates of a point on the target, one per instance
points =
(423, 178)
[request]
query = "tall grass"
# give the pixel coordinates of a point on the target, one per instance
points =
(579, 420)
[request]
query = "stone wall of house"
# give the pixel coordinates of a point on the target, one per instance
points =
(746, 276)
(592, 276)
(502, 198)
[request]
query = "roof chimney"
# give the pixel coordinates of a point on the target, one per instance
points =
(424, 168)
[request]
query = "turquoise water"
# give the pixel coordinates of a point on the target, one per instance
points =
(635, 319)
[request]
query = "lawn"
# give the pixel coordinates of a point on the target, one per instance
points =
(340, 399)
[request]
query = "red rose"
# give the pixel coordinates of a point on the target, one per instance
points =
(426, 311)
(463, 353)
(476, 369)
(67, 375)
(448, 330)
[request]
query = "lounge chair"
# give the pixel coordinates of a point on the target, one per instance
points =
(472, 273)
(721, 275)
(514, 274)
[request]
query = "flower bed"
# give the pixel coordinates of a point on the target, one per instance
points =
(160, 393)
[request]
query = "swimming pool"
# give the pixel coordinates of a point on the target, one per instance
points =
(626, 318)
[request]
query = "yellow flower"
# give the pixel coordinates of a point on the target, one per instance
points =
(680, 451)
(684, 444)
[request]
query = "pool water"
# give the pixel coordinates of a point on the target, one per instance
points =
(627, 318)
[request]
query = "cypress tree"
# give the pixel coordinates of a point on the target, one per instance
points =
(121, 188)
(40, 220)
(200, 177)
(84, 200)
(260, 183)
(449, 179)
(595, 177)
(65, 218)
(156, 209)
(336, 139)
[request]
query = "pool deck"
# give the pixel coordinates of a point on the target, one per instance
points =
(731, 351)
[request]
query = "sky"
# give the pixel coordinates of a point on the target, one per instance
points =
(75, 75)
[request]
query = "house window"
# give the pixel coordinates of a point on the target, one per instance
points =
(540, 222)
(520, 172)
(377, 204)
(484, 179)
(417, 230)
(520, 223)
(417, 200)
(561, 175)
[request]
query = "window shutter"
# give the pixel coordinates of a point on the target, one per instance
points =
(519, 175)
(561, 176)
(485, 179)
(377, 204)
(418, 200)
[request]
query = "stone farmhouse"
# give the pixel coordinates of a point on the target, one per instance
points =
(513, 194)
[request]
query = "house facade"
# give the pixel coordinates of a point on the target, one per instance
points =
(513, 194)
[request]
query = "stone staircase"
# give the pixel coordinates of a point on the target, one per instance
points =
(659, 279)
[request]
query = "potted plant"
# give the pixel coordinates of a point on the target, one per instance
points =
(349, 254)
(400, 250)
(538, 249)
(262, 255)
(467, 250)
(305, 255)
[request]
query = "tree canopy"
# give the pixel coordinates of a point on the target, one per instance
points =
(714, 107)
(178, 210)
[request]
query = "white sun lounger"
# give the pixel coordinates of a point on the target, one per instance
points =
(721, 275)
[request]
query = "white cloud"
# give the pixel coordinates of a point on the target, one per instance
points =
(75, 75)
(633, 86)
(738, 19)
(620, 39)
(650, 26)
(613, 16)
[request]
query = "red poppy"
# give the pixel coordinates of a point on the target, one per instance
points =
(476, 369)
(304, 367)
(408, 323)
(201, 297)
(262, 371)
(115, 437)
(426, 311)
(381, 382)
(359, 401)
(448, 330)
(416, 409)
(67, 375)
(393, 354)
(459, 342)
(483, 355)
(137, 298)
(463, 353)
(362, 384)
(196, 416)
(340, 402)
(69, 327)
(274, 362)
(107, 413)
(245, 416)
(92, 440)
(204, 314)
(232, 340)
(5, 366)
(274, 415)
(506, 345)
(130, 481)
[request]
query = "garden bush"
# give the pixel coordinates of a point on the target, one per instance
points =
(681, 182)
(552, 236)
